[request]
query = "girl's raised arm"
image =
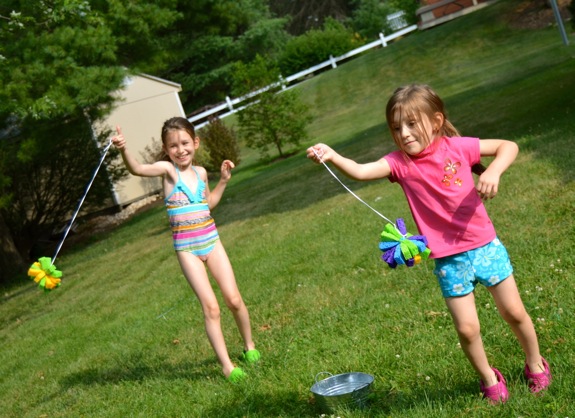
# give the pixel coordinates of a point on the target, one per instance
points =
(157, 169)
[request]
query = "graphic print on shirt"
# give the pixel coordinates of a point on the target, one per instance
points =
(451, 168)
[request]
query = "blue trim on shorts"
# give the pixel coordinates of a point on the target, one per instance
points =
(459, 274)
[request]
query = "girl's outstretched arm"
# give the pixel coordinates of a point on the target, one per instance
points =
(215, 196)
(369, 171)
(504, 152)
(132, 164)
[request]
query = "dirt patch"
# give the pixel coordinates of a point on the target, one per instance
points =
(538, 14)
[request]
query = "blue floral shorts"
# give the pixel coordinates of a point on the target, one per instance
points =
(459, 274)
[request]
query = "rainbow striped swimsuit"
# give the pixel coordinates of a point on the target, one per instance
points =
(193, 228)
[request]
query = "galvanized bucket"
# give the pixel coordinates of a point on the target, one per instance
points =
(348, 390)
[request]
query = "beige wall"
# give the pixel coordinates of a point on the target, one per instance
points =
(146, 102)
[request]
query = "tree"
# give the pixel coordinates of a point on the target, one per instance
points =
(59, 61)
(311, 14)
(370, 18)
(316, 46)
(275, 118)
(210, 38)
(49, 182)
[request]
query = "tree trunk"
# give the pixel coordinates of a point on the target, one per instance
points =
(11, 262)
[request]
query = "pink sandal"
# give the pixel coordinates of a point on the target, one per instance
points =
(497, 393)
(538, 381)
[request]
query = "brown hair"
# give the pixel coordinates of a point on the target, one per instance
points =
(410, 102)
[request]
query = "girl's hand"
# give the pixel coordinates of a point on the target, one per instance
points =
(118, 140)
(319, 153)
(487, 185)
(226, 170)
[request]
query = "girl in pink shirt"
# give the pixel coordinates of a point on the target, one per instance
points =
(434, 166)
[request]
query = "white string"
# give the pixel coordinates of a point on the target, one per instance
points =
(348, 189)
(81, 202)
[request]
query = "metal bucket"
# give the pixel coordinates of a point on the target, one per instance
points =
(350, 390)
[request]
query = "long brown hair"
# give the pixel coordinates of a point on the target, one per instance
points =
(410, 102)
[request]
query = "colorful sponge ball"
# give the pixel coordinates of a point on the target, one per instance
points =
(401, 247)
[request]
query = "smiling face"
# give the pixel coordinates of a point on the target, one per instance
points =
(180, 147)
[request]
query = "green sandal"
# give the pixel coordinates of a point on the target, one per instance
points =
(237, 375)
(251, 356)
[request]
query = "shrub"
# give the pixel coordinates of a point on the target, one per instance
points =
(316, 46)
(370, 17)
(220, 142)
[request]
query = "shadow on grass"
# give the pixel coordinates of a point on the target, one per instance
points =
(135, 369)
(79, 242)
(397, 402)
(282, 403)
(380, 403)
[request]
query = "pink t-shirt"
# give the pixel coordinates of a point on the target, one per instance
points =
(440, 190)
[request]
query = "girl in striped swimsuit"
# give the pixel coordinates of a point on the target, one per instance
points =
(196, 241)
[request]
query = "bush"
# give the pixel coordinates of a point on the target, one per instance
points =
(316, 46)
(221, 144)
(370, 17)
(409, 7)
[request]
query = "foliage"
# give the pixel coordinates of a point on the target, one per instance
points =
(265, 37)
(306, 15)
(370, 18)
(210, 37)
(316, 46)
(56, 162)
(409, 7)
(221, 143)
(60, 61)
(250, 78)
(59, 77)
(275, 118)
(139, 29)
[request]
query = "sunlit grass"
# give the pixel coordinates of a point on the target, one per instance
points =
(123, 335)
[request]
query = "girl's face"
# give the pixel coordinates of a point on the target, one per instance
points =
(180, 147)
(415, 135)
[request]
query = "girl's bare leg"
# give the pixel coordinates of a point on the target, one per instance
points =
(511, 308)
(466, 321)
(195, 272)
(221, 268)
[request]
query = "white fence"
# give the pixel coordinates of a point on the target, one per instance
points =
(229, 108)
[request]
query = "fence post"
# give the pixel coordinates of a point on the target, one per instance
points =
(332, 60)
(230, 104)
(282, 82)
(383, 41)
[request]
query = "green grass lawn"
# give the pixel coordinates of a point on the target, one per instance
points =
(123, 336)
